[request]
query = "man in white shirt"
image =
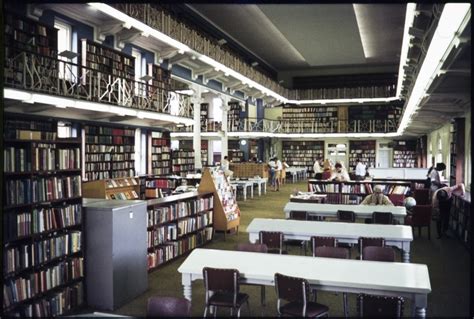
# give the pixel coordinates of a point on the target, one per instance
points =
(278, 170)
(340, 174)
(360, 170)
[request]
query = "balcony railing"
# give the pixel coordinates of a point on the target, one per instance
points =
(42, 74)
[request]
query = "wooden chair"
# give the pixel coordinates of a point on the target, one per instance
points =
(297, 215)
(345, 216)
(383, 218)
(369, 241)
(420, 217)
(369, 306)
(397, 199)
(378, 253)
(168, 307)
(297, 292)
(273, 240)
(422, 196)
(222, 290)
(317, 241)
(258, 248)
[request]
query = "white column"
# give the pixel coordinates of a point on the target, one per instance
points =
(225, 109)
(197, 100)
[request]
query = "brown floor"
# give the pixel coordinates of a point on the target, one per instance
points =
(448, 262)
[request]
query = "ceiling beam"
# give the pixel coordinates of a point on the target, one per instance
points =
(201, 71)
(119, 118)
(106, 29)
(176, 59)
(127, 36)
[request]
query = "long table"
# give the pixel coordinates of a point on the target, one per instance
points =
(330, 210)
(395, 235)
(410, 281)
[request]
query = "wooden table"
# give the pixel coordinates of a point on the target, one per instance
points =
(410, 281)
(395, 235)
(330, 210)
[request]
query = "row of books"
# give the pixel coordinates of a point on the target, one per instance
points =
(160, 142)
(46, 219)
(30, 135)
(182, 154)
(55, 247)
(183, 167)
(165, 214)
(25, 26)
(16, 160)
(161, 235)
(163, 183)
(189, 225)
(345, 92)
(113, 183)
(16, 225)
(109, 149)
(101, 130)
(109, 53)
(107, 157)
(123, 195)
(362, 188)
(174, 249)
(160, 164)
(107, 174)
(115, 140)
(44, 158)
(160, 157)
(179, 161)
(161, 149)
(105, 166)
(161, 171)
(16, 290)
(154, 193)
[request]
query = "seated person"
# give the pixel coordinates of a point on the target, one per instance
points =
(377, 198)
(339, 174)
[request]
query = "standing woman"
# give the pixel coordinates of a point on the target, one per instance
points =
(327, 170)
(278, 170)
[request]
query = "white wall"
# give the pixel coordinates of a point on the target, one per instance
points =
(467, 152)
(444, 134)
(252, 111)
(272, 113)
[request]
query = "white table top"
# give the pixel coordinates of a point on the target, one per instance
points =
(331, 229)
(344, 273)
(397, 211)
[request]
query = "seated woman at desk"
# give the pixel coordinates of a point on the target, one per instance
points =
(327, 170)
(340, 174)
(377, 198)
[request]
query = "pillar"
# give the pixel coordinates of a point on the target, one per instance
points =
(196, 99)
(224, 138)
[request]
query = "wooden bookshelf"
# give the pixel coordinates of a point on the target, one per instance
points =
(226, 210)
(457, 152)
(204, 153)
(182, 161)
(353, 192)
(365, 150)
(310, 119)
(378, 114)
(110, 152)
(177, 224)
(404, 154)
(161, 78)
(41, 208)
(246, 170)
(460, 219)
(159, 153)
(233, 116)
(116, 188)
(302, 153)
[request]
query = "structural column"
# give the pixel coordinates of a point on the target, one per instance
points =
(197, 100)
(225, 108)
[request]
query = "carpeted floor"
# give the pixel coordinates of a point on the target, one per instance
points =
(448, 263)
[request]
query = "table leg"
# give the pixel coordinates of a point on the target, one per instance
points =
(245, 192)
(420, 312)
(259, 186)
(265, 188)
(251, 191)
(406, 255)
(187, 288)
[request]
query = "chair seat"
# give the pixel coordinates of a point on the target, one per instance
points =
(295, 308)
(221, 299)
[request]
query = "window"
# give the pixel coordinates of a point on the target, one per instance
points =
(64, 44)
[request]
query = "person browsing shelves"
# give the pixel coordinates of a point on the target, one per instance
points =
(360, 170)
(377, 198)
(441, 205)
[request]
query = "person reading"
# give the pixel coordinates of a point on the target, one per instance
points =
(377, 198)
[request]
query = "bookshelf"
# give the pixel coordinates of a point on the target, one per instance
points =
(457, 152)
(161, 78)
(106, 60)
(42, 210)
(182, 161)
(204, 116)
(110, 152)
(26, 35)
(460, 219)
(310, 119)
(353, 192)
(204, 153)
(226, 210)
(404, 154)
(345, 92)
(177, 224)
(234, 153)
(233, 116)
(160, 186)
(160, 153)
(302, 153)
(362, 114)
(365, 150)
(116, 188)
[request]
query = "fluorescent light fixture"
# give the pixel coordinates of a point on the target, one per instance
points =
(92, 106)
(364, 30)
(454, 18)
(53, 100)
(186, 92)
(60, 106)
(17, 95)
(409, 17)
(181, 134)
(111, 11)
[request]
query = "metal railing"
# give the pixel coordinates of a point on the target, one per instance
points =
(43, 74)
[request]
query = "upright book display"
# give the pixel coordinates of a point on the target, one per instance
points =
(43, 271)
(226, 210)
(117, 188)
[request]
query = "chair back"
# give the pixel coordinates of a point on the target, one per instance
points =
(385, 218)
(291, 288)
(298, 215)
(370, 241)
(318, 241)
(168, 307)
(421, 215)
(332, 252)
(397, 199)
(422, 196)
(379, 306)
(378, 253)
(273, 239)
(345, 216)
(257, 248)
(222, 280)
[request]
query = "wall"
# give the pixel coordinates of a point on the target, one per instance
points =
(442, 133)
(272, 113)
(252, 111)
(467, 152)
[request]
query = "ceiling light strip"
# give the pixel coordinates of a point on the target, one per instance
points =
(409, 18)
(454, 17)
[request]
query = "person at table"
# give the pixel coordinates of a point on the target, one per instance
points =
(435, 177)
(340, 174)
(441, 205)
(225, 167)
(327, 170)
(317, 169)
(377, 198)
(272, 171)
(360, 170)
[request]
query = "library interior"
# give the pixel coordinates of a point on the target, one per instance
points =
(237, 159)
